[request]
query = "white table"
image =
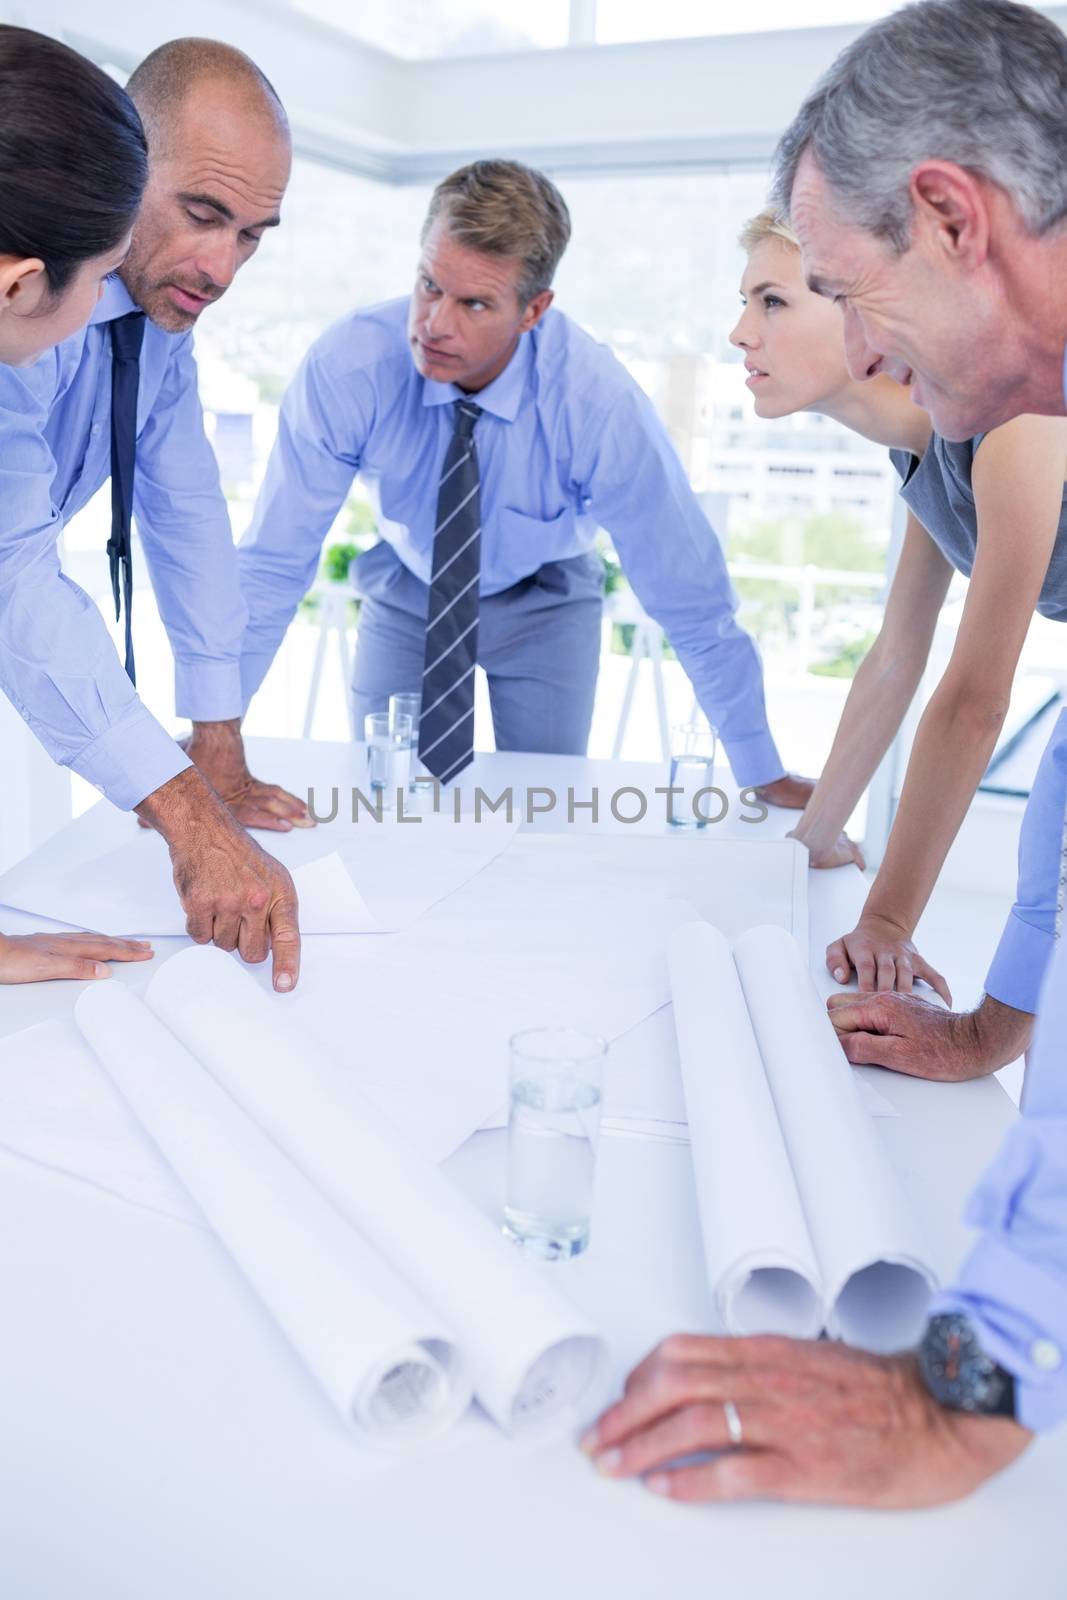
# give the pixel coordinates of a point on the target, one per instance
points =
(158, 1441)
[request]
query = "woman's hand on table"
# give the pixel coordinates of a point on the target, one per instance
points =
(38, 957)
(883, 958)
(842, 852)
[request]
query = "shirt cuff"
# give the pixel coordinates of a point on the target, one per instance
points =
(1020, 1316)
(254, 668)
(131, 759)
(754, 760)
(1020, 964)
(207, 691)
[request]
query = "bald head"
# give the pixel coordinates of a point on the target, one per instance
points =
(219, 160)
(162, 85)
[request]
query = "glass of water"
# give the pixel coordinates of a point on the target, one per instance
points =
(409, 705)
(556, 1086)
(388, 741)
(693, 750)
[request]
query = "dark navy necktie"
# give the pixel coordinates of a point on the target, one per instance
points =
(127, 335)
(446, 725)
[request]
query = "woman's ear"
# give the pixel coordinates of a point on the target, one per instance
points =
(23, 284)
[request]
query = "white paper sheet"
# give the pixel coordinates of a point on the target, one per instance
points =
(866, 1237)
(760, 1258)
(130, 891)
(59, 1110)
(388, 1363)
(103, 869)
(534, 1359)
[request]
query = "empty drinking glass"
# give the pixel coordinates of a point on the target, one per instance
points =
(556, 1085)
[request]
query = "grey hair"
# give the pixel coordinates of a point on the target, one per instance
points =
(980, 83)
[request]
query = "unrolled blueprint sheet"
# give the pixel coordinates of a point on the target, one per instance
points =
(130, 891)
(554, 930)
(104, 872)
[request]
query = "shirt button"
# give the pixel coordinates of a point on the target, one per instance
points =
(1045, 1355)
(95, 429)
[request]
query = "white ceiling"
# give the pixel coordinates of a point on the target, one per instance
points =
(666, 104)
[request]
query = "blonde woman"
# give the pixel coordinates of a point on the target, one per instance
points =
(992, 508)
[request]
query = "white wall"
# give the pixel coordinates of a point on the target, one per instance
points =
(34, 792)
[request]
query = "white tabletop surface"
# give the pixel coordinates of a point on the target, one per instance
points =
(158, 1440)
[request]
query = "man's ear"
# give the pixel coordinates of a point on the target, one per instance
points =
(23, 283)
(952, 206)
(535, 310)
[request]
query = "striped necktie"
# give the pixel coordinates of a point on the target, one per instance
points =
(446, 726)
(127, 335)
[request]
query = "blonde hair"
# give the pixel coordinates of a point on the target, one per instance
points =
(505, 209)
(768, 225)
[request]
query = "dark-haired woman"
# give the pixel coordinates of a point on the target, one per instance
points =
(73, 164)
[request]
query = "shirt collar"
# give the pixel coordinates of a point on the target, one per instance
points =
(114, 302)
(501, 398)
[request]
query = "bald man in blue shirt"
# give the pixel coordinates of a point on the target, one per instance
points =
(496, 437)
(119, 399)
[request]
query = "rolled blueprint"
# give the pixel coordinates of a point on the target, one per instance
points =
(385, 1361)
(533, 1358)
(760, 1259)
(867, 1239)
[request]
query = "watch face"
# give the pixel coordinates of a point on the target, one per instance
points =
(957, 1370)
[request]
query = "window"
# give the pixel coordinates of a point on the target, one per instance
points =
(665, 303)
(627, 21)
(428, 28)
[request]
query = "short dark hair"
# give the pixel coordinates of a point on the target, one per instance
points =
(505, 209)
(73, 156)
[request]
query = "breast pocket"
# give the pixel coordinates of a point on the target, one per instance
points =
(526, 543)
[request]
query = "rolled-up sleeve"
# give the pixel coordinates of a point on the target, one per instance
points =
(58, 666)
(185, 530)
(1013, 1286)
(1028, 940)
(323, 423)
(636, 489)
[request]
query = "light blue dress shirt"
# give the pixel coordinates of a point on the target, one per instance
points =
(567, 443)
(1013, 1285)
(58, 665)
(1029, 936)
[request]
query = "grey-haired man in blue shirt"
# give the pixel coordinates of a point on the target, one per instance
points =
(496, 437)
(934, 209)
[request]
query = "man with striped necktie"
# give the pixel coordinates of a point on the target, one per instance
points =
(497, 437)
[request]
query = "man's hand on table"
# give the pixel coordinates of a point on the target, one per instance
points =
(912, 1036)
(789, 791)
(217, 749)
(820, 1422)
(233, 893)
(39, 957)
